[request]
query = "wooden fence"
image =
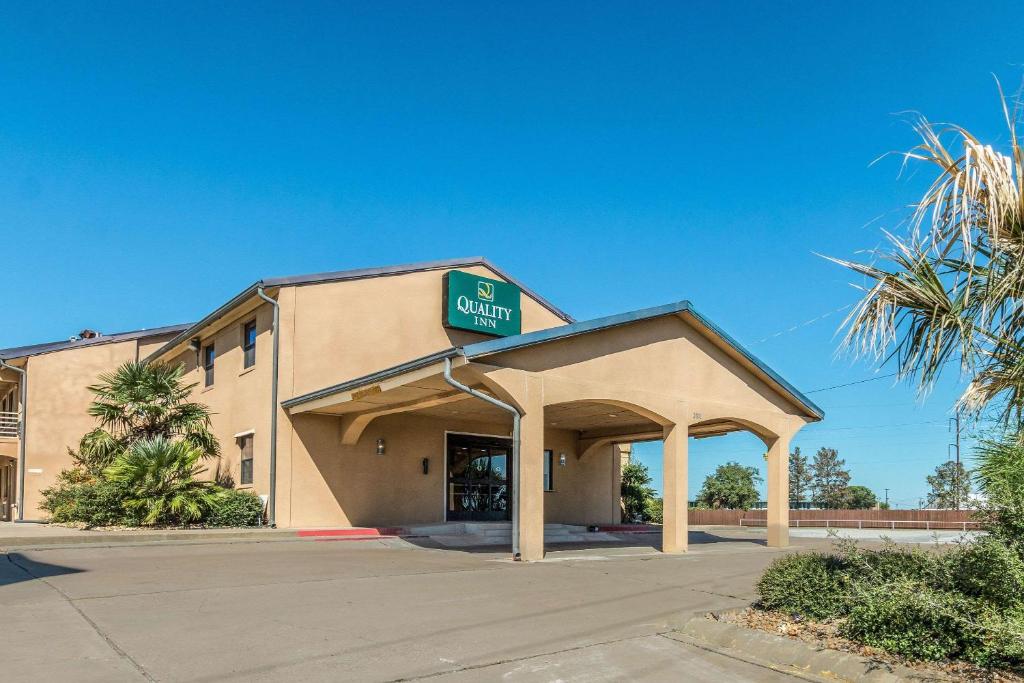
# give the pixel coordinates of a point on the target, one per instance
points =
(867, 519)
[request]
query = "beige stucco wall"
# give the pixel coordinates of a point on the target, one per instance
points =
(330, 333)
(659, 362)
(335, 485)
(239, 398)
(58, 401)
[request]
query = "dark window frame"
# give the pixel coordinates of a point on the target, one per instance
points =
(209, 360)
(245, 474)
(248, 348)
(549, 470)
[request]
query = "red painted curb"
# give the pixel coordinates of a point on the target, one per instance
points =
(360, 532)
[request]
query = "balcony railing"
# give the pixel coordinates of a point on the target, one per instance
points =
(9, 424)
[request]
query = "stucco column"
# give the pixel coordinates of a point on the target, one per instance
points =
(778, 492)
(676, 501)
(531, 472)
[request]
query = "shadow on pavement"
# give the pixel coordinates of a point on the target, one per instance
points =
(633, 540)
(15, 568)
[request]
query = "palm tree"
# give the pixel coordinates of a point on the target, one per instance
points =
(161, 477)
(999, 473)
(141, 401)
(952, 290)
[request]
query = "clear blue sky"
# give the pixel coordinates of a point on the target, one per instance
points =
(155, 158)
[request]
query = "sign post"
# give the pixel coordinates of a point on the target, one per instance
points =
(480, 304)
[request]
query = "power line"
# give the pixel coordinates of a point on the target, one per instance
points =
(869, 379)
(850, 384)
(805, 323)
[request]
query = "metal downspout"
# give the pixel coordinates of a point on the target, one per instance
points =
(23, 399)
(272, 499)
(516, 418)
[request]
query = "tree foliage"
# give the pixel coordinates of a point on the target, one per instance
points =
(637, 492)
(950, 486)
(949, 291)
(999, 473)
(141, 465)
(830, 478)
(800, 477)
(859, 498)
(140, 401)
(731, 486)
(162, 481)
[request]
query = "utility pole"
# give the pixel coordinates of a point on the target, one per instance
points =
(954, 422)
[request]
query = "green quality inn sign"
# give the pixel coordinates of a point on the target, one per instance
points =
(481, 304)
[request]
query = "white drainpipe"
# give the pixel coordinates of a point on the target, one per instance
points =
(516, 418)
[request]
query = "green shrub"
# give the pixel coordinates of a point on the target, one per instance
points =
(911, 619)
(236, 508)
(654, 511)
(811, 584)
(920, 622)
(82, 499)
(890, 563)
(986, 569)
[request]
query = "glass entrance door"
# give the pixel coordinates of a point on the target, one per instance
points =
(479, 485)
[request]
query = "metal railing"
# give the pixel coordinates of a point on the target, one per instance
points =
(927, 524)
(9, 423)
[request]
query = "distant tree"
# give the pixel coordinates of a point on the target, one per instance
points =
(859, 498)
(950, 486)
(731, 486)
(655, 511)
(800, 476)
(830, 477)
(636, 492)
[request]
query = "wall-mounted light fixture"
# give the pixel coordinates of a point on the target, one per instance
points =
(561, 459)
(380, 446)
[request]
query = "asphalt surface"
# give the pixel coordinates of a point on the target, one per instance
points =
(371, 611)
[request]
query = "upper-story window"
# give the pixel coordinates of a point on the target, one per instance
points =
(208, 357)
(249, 344)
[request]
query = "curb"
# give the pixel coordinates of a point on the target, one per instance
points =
(99, 537)
(790, 656)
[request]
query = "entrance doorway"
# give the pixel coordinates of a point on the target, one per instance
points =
(479, 485)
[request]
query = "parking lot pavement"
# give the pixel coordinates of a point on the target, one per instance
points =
(377, 610)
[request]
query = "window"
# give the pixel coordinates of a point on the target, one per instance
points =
(549, 468)
(208, 358)
(245, 446)
(249, 344)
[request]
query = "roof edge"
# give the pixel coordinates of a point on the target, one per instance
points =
(372, 378)
(29, 350)
(355, 274)
(493, 346)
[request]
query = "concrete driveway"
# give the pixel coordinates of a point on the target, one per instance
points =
(370, 610)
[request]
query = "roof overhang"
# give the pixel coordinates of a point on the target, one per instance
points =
(369, 391)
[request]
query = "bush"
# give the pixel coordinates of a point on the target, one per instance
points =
(654, 511)
(911, 619)
(79, 498)
(811, 584)
(236, 508)
(920, 622)
(986, 569)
